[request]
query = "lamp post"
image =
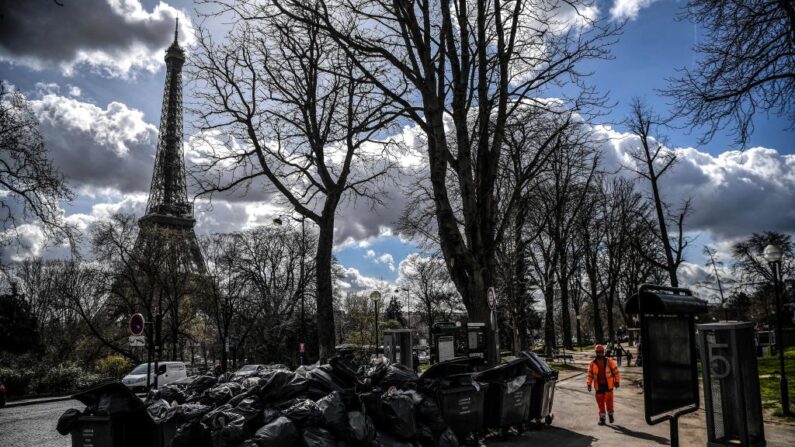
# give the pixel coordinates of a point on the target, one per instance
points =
(376, 297)
(579, 335)
(773, 255)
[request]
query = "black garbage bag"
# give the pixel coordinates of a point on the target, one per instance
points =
(282, 385)
(447, 439)
(192, 434)
(323, 382)
(398, 375)
(109, 399)
(250, 393)
(251, 382)
(304, 413)
(220, 394)
(343, 371)
(383, 439)
(270, 414)
(192, 410)
(227, 428)
(200, 384)
(225, 377)
(252, 413)
(425, 436)
(361, 430)
(279, 433)
(161, 411)
(430, 415)
(171, 393)
(397, 415)
(67, 421)
(318, 437)
(334, 415)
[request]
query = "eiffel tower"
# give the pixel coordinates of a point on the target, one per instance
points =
(168, 209)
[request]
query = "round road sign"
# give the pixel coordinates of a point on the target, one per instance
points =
(137, 324)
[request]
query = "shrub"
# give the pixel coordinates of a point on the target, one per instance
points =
(114, 365)
(17, 380)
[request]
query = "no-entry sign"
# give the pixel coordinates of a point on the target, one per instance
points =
(137, 324)
(491, 299)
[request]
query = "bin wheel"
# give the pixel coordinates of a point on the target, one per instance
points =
(548, 419)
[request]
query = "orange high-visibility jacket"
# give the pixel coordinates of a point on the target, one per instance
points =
(611, 374)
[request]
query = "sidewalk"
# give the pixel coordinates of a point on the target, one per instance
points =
(575, 423)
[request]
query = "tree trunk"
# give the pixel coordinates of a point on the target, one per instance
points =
(325, 287)
(549, 322)
(597, 313)
(520, 290)
(658, 207)
(564, 296)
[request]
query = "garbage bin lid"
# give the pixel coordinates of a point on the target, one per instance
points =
(457, 365)
(109, 398)
(507, 371)
(666, 300)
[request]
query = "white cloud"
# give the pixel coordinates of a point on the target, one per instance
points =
(111, 37)
(733, 194)
(628, 9)
(97, 148)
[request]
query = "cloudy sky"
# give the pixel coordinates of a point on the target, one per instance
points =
(94, 72)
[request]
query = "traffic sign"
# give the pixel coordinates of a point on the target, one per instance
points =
(137, 340)
(491, 299)
(137, 324)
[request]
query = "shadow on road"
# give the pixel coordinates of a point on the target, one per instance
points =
(640, 435)
(559, 437)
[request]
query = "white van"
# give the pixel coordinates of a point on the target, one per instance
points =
(168, 372)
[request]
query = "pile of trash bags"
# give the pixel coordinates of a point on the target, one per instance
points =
(328, 405)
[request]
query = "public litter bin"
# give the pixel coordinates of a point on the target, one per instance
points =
(732, 398)
(459, 396)
(543, 392)
(98, 431)
(508, 396)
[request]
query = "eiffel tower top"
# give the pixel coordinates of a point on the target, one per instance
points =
(168, 196)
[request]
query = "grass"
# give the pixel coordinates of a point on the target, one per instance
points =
(560, 366)
(769, 379)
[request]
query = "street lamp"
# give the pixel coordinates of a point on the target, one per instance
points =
(579, 335)
(376, 297)
(277, 221)
(773, 255)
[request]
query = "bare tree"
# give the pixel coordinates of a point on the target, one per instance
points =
(429, 282)
(652, 161)
(31, 186)
(300, 114)
(747, 65)
(474, 63)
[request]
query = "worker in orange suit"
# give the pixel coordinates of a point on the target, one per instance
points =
(604, 376)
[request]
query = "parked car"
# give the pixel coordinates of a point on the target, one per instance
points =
(167, 372)
(249, 370)
(2, 394)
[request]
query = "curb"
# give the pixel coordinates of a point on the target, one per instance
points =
(46, 400)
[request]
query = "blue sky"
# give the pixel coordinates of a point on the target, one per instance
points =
(653, 46)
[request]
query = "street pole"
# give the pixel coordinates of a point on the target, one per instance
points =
(777, 280)
(579, 336)
(303, 259)
(376, 328)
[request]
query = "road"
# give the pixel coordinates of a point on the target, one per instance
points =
(574, 424)
(34, 425)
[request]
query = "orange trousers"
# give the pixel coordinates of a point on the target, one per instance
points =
(604, 400)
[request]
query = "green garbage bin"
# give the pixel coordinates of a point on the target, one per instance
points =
(99, 431)
(462, 400)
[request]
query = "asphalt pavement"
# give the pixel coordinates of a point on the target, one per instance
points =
(34, 425)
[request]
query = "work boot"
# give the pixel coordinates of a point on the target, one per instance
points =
(610, 416)
(601, 420)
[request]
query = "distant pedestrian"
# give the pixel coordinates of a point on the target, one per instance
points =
(604, 372)
(619, 352)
